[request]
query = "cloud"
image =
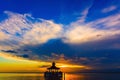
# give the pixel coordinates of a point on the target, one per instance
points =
(42, 32)
(22, 29)
(3, 36)
(78, 61)
(66, 62)
(110, 22)
(109, 9)
(101, 29)
(19, 30)
(60, 58)
(13, 57)
(9, 51)
(84, 13)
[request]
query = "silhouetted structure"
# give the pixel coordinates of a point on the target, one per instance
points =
(53, 73)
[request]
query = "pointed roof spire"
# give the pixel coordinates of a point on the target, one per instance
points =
(53, 66)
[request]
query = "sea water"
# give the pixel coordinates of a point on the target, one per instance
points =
(68, 76)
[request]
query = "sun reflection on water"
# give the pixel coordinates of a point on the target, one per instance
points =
(69, 76)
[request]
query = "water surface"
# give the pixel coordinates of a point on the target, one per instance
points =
(69, 76)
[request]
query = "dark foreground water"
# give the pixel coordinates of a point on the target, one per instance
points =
(69, 76)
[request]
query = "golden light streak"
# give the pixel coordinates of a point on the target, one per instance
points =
(12, 63)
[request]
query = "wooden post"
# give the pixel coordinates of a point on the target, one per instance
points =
(64, 75)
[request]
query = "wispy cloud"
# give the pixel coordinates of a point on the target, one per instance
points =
(97, 30)
(109, 9)
(84, 13)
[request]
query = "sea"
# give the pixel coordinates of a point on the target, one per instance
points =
(68, 76)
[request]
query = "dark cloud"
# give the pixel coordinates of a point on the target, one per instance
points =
(25, 56)
(9, 51)
(97, 54)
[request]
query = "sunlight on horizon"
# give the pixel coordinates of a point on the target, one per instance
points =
(18, 64)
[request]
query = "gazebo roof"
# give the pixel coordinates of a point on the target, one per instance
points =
(53, 66)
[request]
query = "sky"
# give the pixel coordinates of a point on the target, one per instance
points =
(82, 33)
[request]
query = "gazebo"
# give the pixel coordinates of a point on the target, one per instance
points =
(53, 73)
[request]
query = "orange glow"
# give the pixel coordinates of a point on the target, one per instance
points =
(74, 76)
(11, 63)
